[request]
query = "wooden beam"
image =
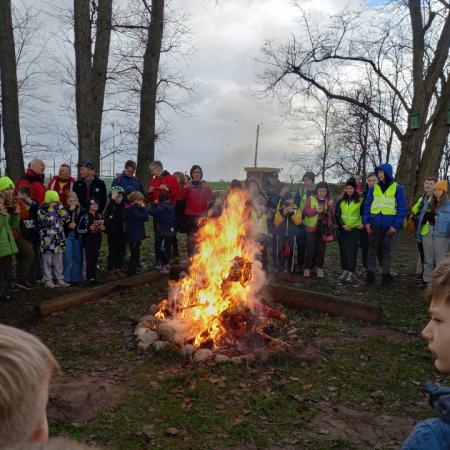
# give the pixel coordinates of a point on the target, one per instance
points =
(316, 301)
(89, 294)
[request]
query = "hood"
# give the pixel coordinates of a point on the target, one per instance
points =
(387, 169)
(440, 401)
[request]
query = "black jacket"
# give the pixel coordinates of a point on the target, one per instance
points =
(114, 221)
(97, 190)
(75, 217)
(89, 237)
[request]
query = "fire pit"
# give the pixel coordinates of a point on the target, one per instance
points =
(216, 309)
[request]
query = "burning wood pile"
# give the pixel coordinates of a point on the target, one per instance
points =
(215, 311)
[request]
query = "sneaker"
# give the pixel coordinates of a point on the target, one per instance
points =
(306, 273)
(166, 269)
(25, 285)
(92, 282)
(344, 275)
(62, 283)
(49, 284)
(350, 277)
(370, 277)
(319, 272)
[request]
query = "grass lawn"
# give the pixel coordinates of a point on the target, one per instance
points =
(359, 386)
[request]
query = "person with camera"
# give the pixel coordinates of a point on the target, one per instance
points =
(198, 196)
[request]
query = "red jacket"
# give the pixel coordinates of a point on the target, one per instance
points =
(197, 199)
(62, 188)
(35, 183)
(170, 181)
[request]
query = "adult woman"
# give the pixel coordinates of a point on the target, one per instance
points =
(436, 243)
(349, 219)
(198, 196)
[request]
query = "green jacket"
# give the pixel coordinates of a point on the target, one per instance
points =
(7, 242)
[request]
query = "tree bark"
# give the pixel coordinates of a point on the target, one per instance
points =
(90, 75)
(147, 121)
(10, 94)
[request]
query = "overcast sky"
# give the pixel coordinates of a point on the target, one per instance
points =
(220, 131)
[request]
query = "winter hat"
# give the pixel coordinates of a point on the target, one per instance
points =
(6, 183)
(51, 196)
(441, 185)
(351, 182)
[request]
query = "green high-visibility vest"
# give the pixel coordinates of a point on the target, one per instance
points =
(351, 213)
(384, 202)
(311, 221)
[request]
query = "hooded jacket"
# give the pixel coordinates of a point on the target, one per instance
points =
(164, 214)
(129, 184)
(432, 434)
(197, 199)
(380, 220)
(135, 218)
(36, 183)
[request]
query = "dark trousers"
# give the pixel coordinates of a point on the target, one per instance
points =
(24, 259)
(116, 250)
(192, 226)
(364, 243)
(421, 254)
(285, 252)
(91, 252)
(166, 249)
(380, 238)
(5, 263)
(36, 266)
(135, 256)
(158, 239)
(301, 245)
(175, 249)
(315, 251)
(348, 248)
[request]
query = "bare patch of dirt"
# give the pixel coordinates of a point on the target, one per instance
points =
(80, 400)
(365, 428)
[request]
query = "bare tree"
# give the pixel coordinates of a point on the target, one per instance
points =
(92, 22)
(10, 95)
(416, 34)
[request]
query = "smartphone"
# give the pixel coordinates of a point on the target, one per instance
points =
(196, 183)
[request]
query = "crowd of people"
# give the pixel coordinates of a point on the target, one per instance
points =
(54, 231)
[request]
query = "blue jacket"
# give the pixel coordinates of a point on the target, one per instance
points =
(442, 225)
(164, 214)
(380, 220)
(432, 434)
(135, 218)
(129, 184)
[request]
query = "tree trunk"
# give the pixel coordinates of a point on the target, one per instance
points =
(90, 76)
(10, 94)
(147, 122)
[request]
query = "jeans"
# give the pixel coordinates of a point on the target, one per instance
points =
(380, 240)
(301, 245)
(315, 251)
(73, 259)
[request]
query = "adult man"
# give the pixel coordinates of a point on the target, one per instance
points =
(62, 183)
(127, 180)
(162, 182)
(89, 186)
(300, 199)
(384, 212)
(34, 179)
(422, 227)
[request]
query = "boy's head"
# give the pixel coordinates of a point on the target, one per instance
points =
(136, 197)
(25, 192)
(130, 168)
(428, 184)
(93, 205)
(51, 197)
(26, 366)
(308, 180)
(72, 200)
(117, 194)
(437, 331)
(371, 179)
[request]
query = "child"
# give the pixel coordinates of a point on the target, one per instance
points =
(434, 434)
(164, 215)
(135, 215)
(51, 219)
(90, 229)
(319, 217)
(26, 366)
(115, 230)
(287, 218)
(436, 243)
(259, 216)
(349, 220)
(27, 237)
(73, 256)
(8, 246)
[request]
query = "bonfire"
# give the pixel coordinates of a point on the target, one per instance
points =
(217, 304)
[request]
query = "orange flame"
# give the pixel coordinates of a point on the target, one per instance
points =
(221, 273)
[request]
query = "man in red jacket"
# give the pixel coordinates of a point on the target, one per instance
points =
(34, 179)
(162, 181)
(62, 183)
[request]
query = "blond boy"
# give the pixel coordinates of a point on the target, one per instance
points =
(434, 434)
(26, 366)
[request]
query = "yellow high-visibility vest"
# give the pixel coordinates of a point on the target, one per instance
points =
(384, 202)
(351, 213)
